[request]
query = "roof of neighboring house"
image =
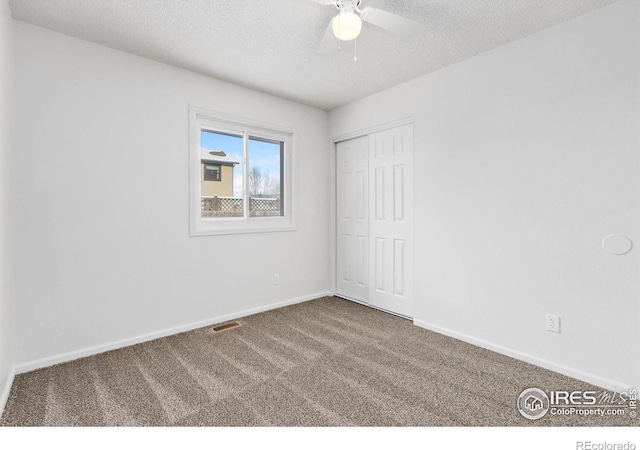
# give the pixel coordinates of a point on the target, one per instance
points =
(216, 156)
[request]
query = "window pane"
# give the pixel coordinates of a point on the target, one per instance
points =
(265, 177)
(220, 174)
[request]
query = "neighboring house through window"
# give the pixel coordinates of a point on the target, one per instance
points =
(217, 172)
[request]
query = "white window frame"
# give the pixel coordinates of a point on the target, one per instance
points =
(200, 119)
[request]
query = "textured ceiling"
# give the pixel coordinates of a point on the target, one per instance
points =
(270, 45)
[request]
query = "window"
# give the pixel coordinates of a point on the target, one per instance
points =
(211, 172)
(240, 175)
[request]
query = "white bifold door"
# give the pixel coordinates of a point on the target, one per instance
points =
(375, 219)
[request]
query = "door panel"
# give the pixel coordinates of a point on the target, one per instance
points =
(380, 261)
(352, 228)
(391, 231)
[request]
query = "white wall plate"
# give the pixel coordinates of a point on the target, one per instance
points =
(617, 244)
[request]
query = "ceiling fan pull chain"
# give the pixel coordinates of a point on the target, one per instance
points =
(355, 51)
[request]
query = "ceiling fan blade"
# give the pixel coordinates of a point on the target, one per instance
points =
(329, 44)
(318, 2)
(393, 23)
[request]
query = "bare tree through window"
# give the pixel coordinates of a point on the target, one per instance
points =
(262, 184)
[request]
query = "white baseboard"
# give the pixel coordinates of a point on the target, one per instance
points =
(7, 389)
(578, 374)
(89, 351)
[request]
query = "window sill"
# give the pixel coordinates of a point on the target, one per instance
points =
(224, 227)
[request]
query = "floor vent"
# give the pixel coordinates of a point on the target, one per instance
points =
(225, 326)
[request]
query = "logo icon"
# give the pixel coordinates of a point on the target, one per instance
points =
(533, 403)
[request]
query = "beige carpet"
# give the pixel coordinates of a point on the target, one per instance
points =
(328, 362)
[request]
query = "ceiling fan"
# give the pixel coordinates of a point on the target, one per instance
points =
(347, 24)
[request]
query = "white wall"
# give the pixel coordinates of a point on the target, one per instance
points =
(525, 158)
(103, 248)
(7, 212)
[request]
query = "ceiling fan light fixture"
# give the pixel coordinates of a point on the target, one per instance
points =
(347, 25)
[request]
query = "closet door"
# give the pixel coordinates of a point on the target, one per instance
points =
(391, 220)
(352, 215)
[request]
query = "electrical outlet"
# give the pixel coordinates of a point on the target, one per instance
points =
(553, 323)
(276, 278)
